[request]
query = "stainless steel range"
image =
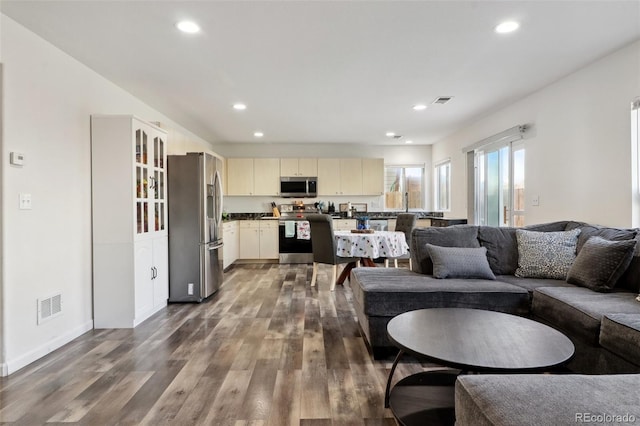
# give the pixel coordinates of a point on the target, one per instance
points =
(294, 241)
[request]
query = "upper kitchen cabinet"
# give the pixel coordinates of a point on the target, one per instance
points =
(239, 176)
(266, 176)
(372, 176)
(339, 176)
(298, 167)
(253, 176)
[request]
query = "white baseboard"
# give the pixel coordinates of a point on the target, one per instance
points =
(11, 366)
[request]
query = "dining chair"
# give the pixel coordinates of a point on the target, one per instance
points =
(324, 248)
(405, 222)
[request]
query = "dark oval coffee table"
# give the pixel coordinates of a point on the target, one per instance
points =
(470, 340)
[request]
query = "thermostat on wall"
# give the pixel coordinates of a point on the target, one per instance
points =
(16, 158)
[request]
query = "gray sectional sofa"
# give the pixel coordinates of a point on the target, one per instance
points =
(601, 315)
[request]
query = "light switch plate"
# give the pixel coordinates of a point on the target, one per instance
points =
(25, 201)
(16, 158)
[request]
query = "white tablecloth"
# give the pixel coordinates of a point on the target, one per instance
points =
(377, 244)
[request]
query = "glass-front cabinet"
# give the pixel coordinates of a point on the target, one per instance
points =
(129, 220)
(150, 190)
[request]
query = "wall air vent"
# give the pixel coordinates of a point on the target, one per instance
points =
(49, 308)
(442, 100)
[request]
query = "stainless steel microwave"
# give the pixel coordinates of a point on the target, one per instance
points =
(298, 187)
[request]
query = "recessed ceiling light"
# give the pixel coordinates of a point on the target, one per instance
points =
(390, 134)
(408, 141)
(419, 107)
(188, 27)
(239, 107)
(258, 134)
(507, 27)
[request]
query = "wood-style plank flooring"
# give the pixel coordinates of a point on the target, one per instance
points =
(265, 350)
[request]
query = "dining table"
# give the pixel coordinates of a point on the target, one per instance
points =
(368, 246)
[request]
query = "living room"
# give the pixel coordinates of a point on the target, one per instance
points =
(578, 163)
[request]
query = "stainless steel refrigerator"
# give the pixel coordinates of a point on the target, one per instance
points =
(195, 226)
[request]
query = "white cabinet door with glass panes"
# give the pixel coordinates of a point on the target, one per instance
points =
(150, 186)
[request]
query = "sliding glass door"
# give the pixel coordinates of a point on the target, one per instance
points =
(499, 185)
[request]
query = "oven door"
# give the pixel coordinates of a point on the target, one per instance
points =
(293, 249)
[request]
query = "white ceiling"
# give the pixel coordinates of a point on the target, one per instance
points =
(330, 71)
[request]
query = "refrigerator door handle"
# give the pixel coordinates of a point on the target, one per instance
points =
(217, 182)
(215, 247)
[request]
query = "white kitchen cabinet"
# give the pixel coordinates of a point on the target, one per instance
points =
(269, 239)
(329, 176)
(249, 239)
(420, 223)
(351, 176)
(258, 239)
(239, 176)
(298, 167)
(339, 176)
(372, 176)
(231, 239)
(253, 176)
(266, 176)
(129, 212)
(423, 223)
(344, 224)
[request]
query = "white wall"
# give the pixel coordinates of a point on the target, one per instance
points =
(579, 159)
(48, 99)
(392, 154)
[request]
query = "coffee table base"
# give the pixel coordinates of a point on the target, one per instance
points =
(424, 398)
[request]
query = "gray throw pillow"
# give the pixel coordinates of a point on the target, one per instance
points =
(460, 262)
(451, 236)
(502, 248)
(611, 234)
(601, 263)
(546, 254)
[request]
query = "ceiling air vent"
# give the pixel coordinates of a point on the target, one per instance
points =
(442, 100)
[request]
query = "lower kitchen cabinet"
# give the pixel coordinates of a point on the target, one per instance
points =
(269, 239)
(231, 239)
(344, 224)
(423, 223)
(259, 239)
(420, 223)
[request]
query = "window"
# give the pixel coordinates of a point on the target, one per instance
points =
(442, 183)
(404, 188)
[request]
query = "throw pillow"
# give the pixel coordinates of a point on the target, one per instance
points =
(460, 262)
(611, 234)
(601, 263)
(546, 254)
(502, 248)
(451, 236)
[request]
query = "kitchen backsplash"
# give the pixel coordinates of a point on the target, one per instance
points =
(263, 204)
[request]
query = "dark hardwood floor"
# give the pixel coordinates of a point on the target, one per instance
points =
(265, 350)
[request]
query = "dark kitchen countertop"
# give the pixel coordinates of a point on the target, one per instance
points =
(343, 215)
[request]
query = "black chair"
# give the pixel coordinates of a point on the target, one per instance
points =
(324, 246)
(405, 222)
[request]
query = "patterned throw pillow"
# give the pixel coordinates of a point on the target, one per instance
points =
(601, 263)
(460, 262)
(546, 254)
